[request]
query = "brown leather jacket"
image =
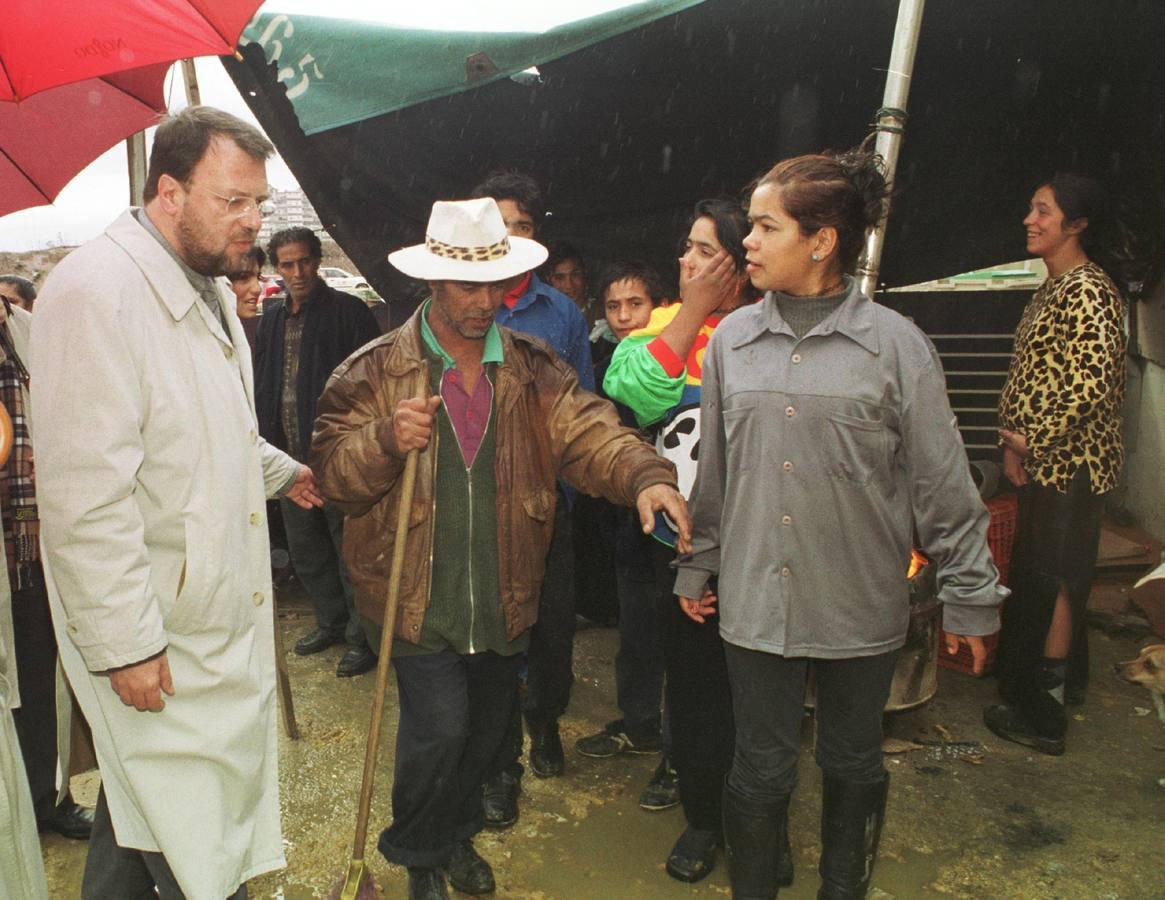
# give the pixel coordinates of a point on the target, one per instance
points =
(547, 426)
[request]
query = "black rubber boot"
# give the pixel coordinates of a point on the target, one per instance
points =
(754, 834)
(851, 824)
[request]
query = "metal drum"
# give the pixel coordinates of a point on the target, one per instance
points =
(916, 673)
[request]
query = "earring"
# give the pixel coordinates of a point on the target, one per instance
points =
(815, 258)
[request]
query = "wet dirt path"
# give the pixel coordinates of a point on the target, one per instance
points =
(988, 820)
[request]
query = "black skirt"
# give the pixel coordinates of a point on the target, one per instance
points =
(1056, 542)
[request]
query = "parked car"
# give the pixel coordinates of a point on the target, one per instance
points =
(341, 280)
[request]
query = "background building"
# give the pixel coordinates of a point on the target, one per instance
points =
(292, 210)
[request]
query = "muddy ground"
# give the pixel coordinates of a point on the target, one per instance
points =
(981, 820)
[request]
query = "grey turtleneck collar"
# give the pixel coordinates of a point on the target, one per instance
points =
(803, 314)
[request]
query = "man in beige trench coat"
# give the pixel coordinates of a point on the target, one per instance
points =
(152, 484)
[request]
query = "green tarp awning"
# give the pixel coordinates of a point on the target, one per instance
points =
(337, 72)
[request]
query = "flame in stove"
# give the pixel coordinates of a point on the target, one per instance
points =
(917, 562)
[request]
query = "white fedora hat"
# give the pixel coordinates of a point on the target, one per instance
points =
(466, 240)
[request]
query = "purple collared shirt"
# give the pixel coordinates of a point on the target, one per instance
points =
(469, 413)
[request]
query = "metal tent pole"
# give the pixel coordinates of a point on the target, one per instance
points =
(890, 123)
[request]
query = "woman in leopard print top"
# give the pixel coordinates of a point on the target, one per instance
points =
(1060, 417)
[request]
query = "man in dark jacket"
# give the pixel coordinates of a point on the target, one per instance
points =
(497, 418)
(299, 342)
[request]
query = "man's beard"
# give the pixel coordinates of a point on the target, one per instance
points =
(200, 258)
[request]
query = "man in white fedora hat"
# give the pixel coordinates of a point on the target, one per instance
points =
(497, 418)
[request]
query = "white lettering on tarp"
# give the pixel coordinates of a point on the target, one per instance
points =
(298, 78)
(305, 76)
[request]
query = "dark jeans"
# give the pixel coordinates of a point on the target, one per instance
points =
(314, 539)
(698, 701)
(768, 697)
(454, 714)
(121, 873)
(36, 667)
(551, 654)
(639, 662)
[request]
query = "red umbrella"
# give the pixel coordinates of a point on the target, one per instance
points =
(46, 43)
(47, 139)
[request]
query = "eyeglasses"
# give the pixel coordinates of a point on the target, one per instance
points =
(237, 207)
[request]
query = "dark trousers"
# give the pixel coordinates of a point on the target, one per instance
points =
(314, 540)
(698, 701)
(454, 714)
(551, 654)
(119, 873)
(768, 698)
(594, 521)
(639, 662)
(36, 666)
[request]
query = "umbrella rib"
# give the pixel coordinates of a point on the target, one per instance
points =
(128, 93)
(213, 27)
(19, 168)
(8, 80)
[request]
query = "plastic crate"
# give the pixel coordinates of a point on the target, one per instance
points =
(1001, 532)
(1000, 538)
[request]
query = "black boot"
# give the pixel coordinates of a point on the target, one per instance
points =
(754, 834)
(427, 884)
(851, 824)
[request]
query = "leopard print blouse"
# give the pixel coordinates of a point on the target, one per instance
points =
(1066, 384)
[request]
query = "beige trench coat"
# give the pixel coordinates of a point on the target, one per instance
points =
(151, 480)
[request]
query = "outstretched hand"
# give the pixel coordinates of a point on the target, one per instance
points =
(665, 498)
(304, 492)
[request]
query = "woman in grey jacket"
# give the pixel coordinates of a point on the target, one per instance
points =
(826, 441)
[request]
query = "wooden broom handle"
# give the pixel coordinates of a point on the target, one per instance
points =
(386, 634)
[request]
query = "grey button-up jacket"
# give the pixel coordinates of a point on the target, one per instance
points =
(818, 459)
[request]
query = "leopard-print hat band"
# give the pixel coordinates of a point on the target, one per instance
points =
(469, 254)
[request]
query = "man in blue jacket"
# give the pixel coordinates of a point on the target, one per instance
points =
(299, 342)
(533, 307)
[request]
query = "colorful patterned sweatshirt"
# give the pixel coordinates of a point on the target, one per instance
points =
(663, 390)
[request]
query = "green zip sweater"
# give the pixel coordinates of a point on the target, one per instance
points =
(465, 611)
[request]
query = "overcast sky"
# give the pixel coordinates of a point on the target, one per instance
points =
(96, 196)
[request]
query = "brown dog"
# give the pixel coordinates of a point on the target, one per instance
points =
(1147, 670)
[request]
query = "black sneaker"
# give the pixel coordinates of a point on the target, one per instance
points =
(663, 791)
(1010, 724)
(613, 740)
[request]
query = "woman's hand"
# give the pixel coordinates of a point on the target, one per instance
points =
(1013, 469)
(709, 286)
(1015, 442)
(974, 644)
(696, 610)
